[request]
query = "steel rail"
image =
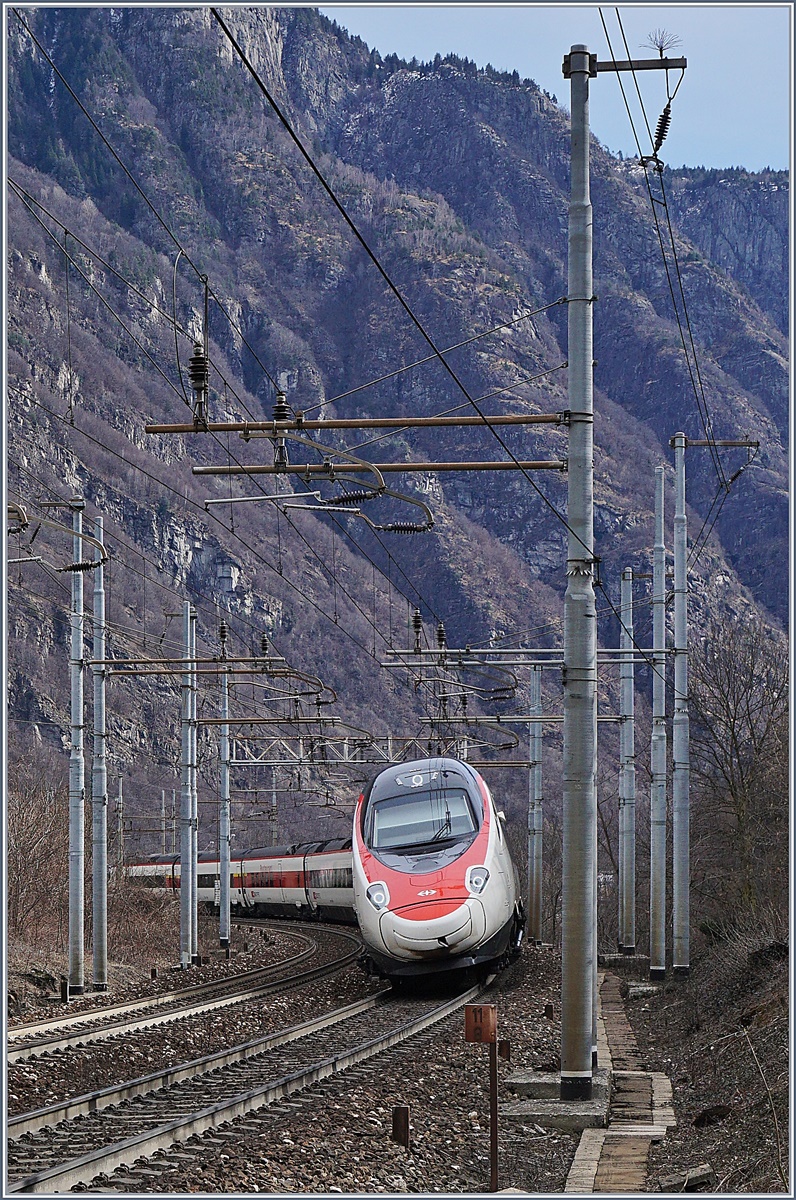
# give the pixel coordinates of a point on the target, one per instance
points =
(162, 998)
(68, 1110)
(107, 1159)
(118, 1028)
(194, 989)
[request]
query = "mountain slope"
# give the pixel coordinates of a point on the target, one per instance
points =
(458, 180)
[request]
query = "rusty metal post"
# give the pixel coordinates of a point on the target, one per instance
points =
(493, 1117)
(400, 1125)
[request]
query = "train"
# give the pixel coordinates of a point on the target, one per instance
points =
(427, 874)
(435, 888)
(310, 879)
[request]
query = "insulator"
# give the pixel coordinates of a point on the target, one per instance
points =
(281, 461)
(81, 566)
(664, 121)
(199, 369)
(222, 633)
(403, 527)
(441, 641)
(281, 410)
(417, 625)
(264, 644)
(354, 497)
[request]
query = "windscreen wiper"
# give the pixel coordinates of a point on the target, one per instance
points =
(445, 827)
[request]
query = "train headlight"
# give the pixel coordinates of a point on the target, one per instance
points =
(477, 878)
(378, 895)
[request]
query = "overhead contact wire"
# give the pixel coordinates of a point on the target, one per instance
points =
(385, 276)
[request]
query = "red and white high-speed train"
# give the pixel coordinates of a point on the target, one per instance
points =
(312, 879)
(435, 889)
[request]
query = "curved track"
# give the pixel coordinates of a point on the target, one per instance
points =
(97, 1024)
(54, 1149)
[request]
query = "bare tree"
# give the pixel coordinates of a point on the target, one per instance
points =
(739, 747)
(37, 825)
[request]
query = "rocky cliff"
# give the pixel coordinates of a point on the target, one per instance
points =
(458, 180)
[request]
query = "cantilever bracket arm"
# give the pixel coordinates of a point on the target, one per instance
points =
(17, 511)
(346, 455)
(402, 526)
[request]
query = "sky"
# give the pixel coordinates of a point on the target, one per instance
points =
(732, 109)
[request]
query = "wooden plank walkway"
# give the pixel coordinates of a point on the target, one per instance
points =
(614, 1160)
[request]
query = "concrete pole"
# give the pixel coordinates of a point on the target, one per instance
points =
(680, 728)
(620, 867)
(120, 828)
(627, 769)
(223, 818)
(658, 749)
(99, 789)
(538, 823)
(274, 833)
(185, 796)
(530, 890)
(76, 764)
(163, 820)
(594, 981)
(192, 730)
(173, 820)
(580, 627)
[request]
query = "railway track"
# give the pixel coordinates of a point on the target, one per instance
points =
(92, 1025)
(72, 1144)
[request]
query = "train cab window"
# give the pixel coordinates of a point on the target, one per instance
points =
(422, 819)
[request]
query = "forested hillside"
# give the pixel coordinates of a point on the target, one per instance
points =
(457, 179)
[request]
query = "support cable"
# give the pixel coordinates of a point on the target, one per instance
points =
(170, 318)
(385, 276)
(194, 504)
(187, 402)
(703, 415)
(139, 189)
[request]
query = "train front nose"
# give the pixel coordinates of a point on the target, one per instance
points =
(436, 929)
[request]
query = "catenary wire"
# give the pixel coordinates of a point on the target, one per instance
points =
(194, 504)
(703, 413)
(25, 196)
(437, 353)
(174, 388)
(387, 279)
(140, 190)
(697, 385)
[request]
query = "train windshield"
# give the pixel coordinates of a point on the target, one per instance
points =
(423, 819)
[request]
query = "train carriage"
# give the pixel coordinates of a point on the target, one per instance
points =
(310, 879)
(427, 876)
(434, 885)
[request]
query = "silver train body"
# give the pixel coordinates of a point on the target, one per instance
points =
(307, 880)
(435, 888)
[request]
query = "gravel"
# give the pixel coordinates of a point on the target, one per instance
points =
(336, 1137)
(43, 1080)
